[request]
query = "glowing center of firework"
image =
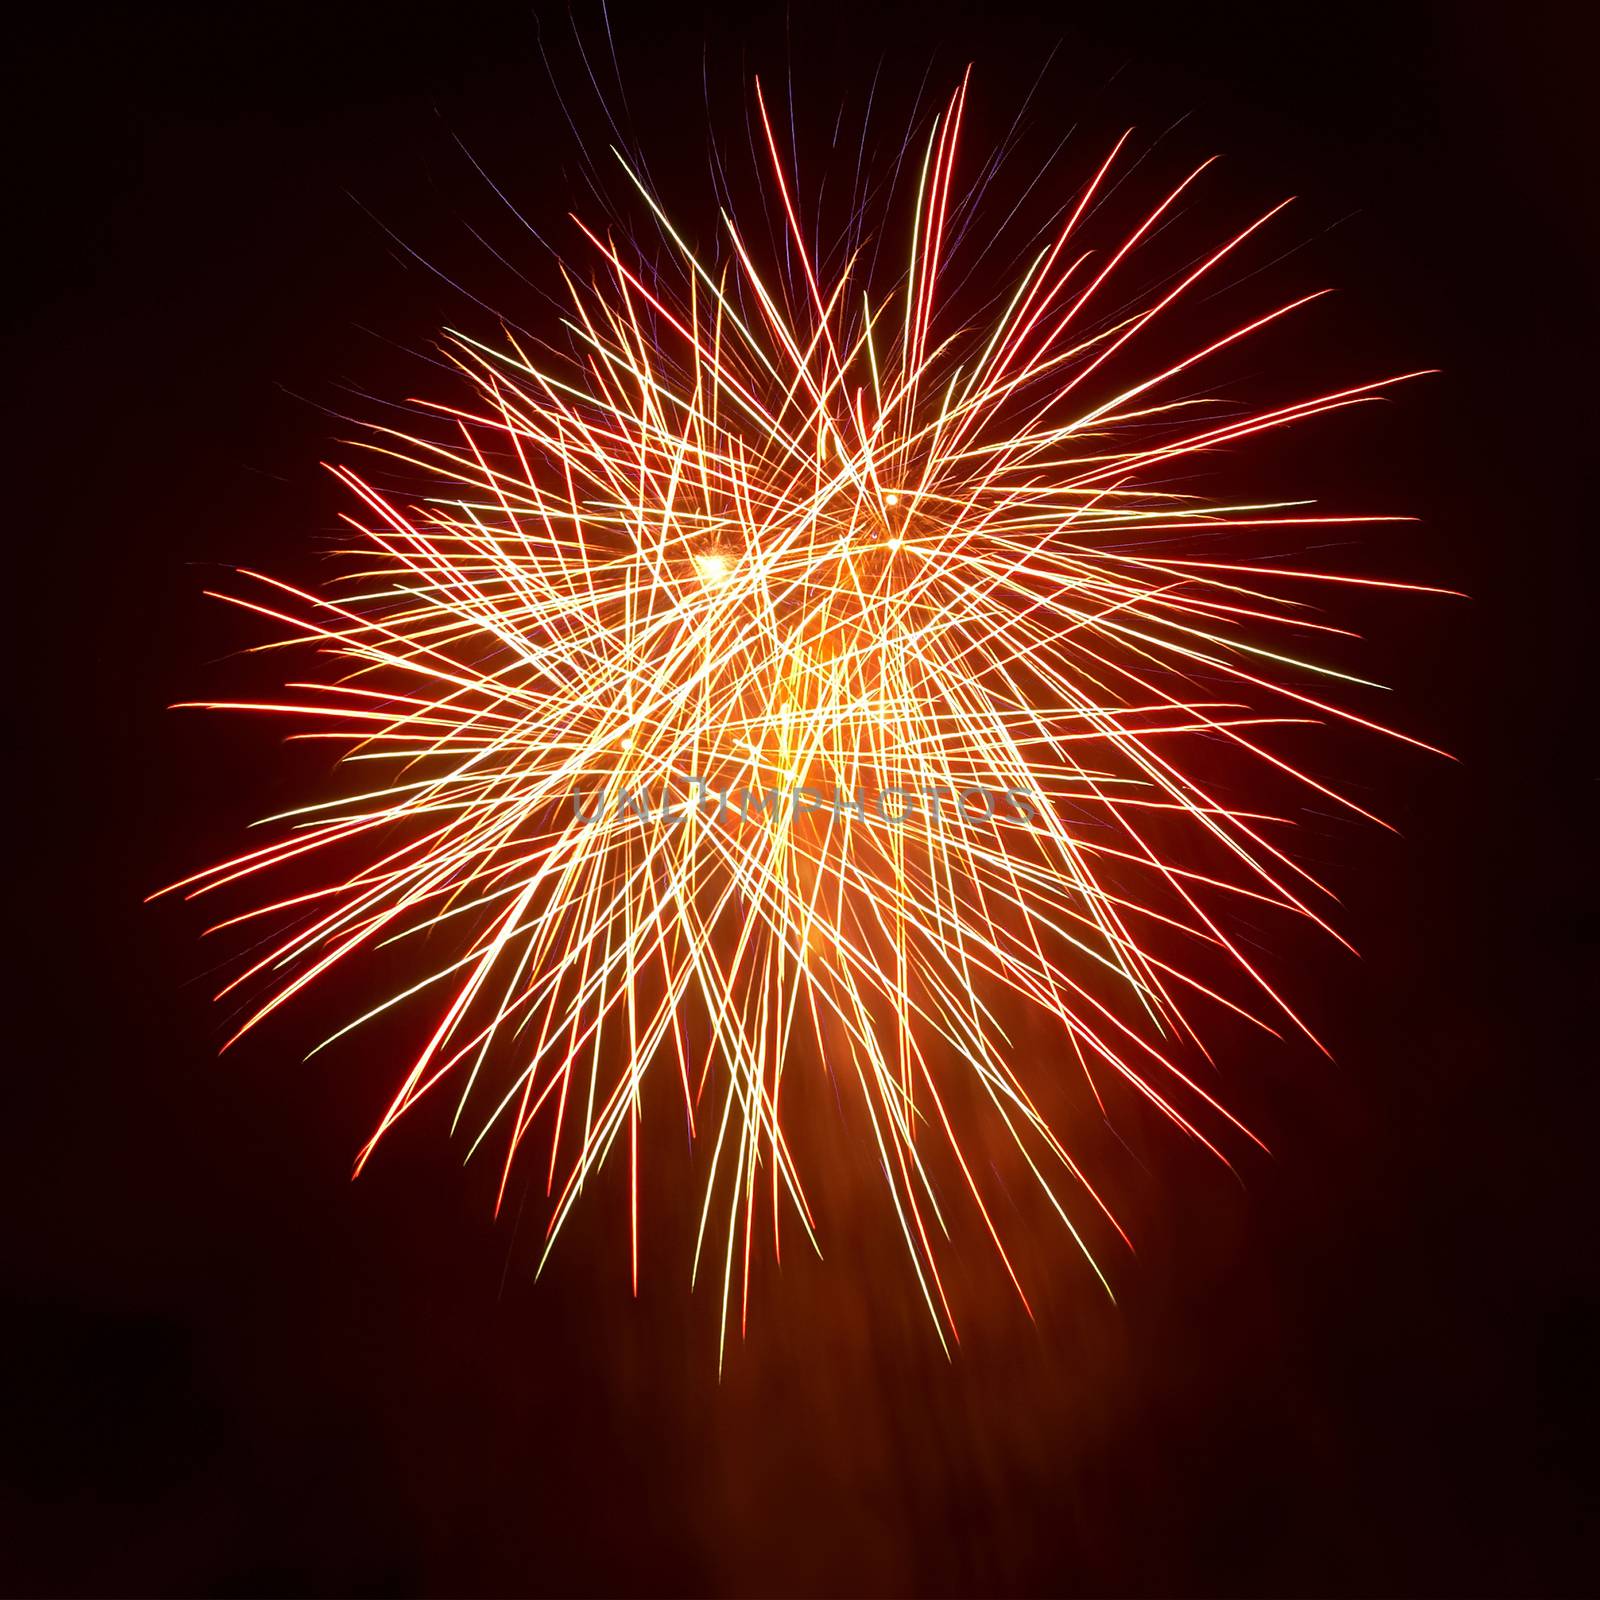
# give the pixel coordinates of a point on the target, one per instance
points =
(714, 568)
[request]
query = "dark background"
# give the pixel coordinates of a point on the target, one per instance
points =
(1367, 1368)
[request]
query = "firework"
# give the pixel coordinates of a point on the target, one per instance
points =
(789, 674)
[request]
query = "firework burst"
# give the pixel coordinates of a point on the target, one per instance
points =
(788, 674)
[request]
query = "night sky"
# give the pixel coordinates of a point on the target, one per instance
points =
(1364, 1365)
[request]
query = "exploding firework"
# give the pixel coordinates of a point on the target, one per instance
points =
(788, 674)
